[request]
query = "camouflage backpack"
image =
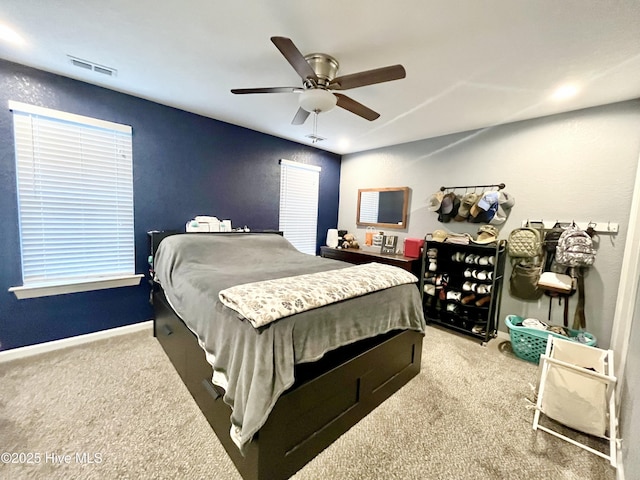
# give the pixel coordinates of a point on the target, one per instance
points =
(575, 248)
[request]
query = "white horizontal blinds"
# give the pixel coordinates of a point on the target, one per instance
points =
(299, 186)
(75, 193)
(369, 207)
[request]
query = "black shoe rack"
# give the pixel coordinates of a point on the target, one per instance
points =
(461, 286)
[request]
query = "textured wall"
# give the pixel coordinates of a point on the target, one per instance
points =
(576, 166)
(183, 165)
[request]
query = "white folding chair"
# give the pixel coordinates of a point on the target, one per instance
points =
(577, 388)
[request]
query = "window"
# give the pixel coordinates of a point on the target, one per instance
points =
(299, 185)
(75, 197)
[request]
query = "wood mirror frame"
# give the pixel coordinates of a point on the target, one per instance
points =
(395, 201)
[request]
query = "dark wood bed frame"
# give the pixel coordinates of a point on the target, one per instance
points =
(327, 399)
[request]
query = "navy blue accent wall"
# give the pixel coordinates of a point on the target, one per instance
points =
(183, 164)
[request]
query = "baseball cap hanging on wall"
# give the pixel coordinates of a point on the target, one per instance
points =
(467, 202)
(492, 206)
(505, 202)
(485, 208)
(435, 201)
(449, 208)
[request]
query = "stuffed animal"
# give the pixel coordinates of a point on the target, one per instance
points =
(349, 241)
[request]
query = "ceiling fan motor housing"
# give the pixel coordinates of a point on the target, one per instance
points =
(325, 66)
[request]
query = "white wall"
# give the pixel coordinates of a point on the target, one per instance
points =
(577, 166)
(630, 416)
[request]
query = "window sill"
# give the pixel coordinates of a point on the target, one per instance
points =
(45, 290)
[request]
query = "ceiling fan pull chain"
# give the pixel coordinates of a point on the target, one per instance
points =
(315, 127)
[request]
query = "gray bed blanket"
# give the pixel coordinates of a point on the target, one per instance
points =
(255, 366)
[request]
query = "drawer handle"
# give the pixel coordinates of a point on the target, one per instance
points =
(214, 390)
(167, 330)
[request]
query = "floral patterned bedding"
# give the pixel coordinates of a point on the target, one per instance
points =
(263, 302)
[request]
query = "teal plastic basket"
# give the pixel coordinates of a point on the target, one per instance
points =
(530, 343)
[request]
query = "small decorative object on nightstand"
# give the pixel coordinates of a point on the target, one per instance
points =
(377, 239)
(332, 238)
(389, 244)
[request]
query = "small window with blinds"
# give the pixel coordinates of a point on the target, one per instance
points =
(369, 204)
(75, 195)
(299, 186)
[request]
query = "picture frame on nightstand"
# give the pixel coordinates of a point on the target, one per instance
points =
(389, 244)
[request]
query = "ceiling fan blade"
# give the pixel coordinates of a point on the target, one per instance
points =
(369, 77)
(301, 117)
(267, 90)
(294, 57)
(355, 107)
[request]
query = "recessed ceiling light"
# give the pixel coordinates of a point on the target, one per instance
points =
(8, 34)
(343, 144)
(564, 92)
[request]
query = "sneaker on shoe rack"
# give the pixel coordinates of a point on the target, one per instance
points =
(453, 295)
(458, 257)
(483, 301)
(471, 258)
(468, 299)
(482, 274)
(479, 329)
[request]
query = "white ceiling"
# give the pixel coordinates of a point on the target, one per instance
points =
(470, 64)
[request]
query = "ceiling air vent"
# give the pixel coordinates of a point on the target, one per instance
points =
(87, 65)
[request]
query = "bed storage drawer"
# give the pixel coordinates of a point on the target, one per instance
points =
(189, 360)
(328, 398)
(171, 334)
(319, 411)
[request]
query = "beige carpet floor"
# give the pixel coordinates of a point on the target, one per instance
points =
(115, 408)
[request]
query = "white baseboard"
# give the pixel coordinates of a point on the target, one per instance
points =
(30, 350)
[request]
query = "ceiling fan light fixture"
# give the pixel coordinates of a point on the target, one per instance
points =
(317, 100)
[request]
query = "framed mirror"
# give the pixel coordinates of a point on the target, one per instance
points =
(383, 207)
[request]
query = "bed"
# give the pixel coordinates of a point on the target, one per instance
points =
(296, 383)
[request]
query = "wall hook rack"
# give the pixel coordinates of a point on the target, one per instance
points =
(598, 227)
(499, 185)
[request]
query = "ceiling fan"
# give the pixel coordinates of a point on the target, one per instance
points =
(318, 72)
